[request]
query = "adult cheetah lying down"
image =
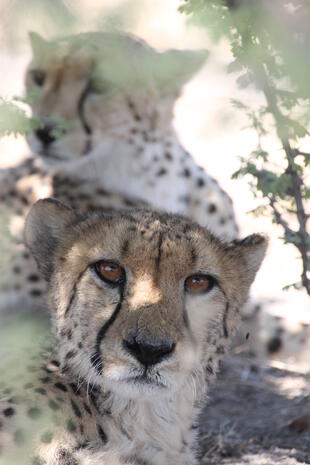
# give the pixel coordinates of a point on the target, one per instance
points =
(119, 148)
(143, 305)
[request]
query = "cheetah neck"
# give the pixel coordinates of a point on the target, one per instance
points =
(138, 167)
(156, 425)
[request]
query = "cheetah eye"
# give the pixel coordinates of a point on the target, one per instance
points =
(38, 76)
(199, 284)
(110, 272)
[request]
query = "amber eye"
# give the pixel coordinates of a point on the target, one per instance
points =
(199, 283)
(109, 272)
(38, 76)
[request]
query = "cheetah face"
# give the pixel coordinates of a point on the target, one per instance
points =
(86, 87)
(142, 301)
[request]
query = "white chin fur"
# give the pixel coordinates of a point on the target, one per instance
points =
(126, 383)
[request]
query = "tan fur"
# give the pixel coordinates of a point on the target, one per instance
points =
(151, 408)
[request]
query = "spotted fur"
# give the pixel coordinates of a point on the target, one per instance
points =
(120, 94)
(102, 403)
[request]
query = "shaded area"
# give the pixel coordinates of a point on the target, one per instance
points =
(249, 413)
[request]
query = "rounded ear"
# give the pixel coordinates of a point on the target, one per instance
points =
(39, 45)
(249, 253)
(176, 67)
(45, 225)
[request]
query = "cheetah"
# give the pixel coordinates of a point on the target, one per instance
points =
(143, 304)
(119, 95)
(121, 149)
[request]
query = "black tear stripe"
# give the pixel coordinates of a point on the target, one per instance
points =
(74, 292)
(87, 128)
(225, 330)
(96, 359)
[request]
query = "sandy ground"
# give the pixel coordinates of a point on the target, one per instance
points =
(250, 416)
(247, 420)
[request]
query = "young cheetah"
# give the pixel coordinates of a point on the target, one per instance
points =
(143, 305)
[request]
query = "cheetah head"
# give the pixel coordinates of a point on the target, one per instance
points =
(143, 302)
(87, 87)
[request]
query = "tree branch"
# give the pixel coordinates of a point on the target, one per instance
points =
(302, 216)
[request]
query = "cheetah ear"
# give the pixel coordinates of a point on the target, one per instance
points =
(45, 225)
(39, 45)
(249, 253)
(178, 66)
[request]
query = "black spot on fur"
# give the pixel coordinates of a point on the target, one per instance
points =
(186, 173)
(61, 386)
(46, 437)
(55, 362)
(40, 390)
(210, 369)
(211, 208)
(35, 292)
(200, 182)
(87, 409)
(75, 409)
(161, 172)
(129, 203)
(33, 278)
(70, 426)
(102, 434)
(34, 413)
(70, 354)
(53, 405)
(274, 344)
(93, 398)
(8, 412)
(102, 192)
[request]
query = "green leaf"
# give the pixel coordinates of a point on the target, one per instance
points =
(14, 120)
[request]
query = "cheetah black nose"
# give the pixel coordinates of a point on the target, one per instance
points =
(146, 350)
(45, 134)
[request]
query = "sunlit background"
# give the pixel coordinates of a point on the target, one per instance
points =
(211, 129)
